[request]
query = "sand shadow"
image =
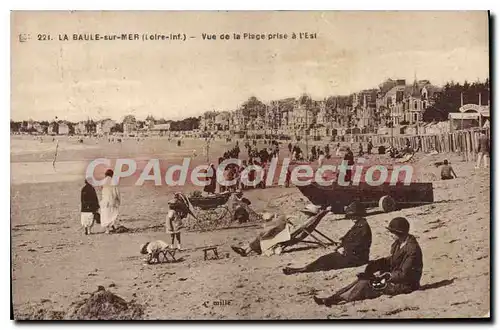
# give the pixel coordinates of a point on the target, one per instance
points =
(375, 212)
(436, 285)
(301, 248)
(448, 201)
(176, 261)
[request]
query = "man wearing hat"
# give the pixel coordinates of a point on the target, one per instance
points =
(401, 270)
(273, 225)
(353, 250)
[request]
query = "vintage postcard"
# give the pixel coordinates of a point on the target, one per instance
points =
(250, 165)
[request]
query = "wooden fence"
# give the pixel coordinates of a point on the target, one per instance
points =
(465, 142)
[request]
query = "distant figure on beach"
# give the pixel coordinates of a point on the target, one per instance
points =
(90, 206)
(349, 157)
(337, 152)
(211, 187)
(110, 203)
(484, 150)
(321, 158)
(369, 147)
(327, 151)
(447, 171)
(400, 272)
(288, 177)
(353, 250)
(360, 149)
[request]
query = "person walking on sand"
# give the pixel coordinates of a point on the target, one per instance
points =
(484, 150)
(349, 158)
(179, 209)
(338, 150)
(211, 187)
(447, 171)
(90, 206)
(110, 203)
(321, 158)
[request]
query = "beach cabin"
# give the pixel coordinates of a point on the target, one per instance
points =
(469, 116)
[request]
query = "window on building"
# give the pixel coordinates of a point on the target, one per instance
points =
(415, 105)
(424, 105)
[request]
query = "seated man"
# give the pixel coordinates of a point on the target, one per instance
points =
(447, 171)
(353, 250)
(402, 270)
(273, 225)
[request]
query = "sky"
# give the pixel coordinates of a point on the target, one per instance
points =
(75, 80)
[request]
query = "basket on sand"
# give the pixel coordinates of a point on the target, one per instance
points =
(104, 305)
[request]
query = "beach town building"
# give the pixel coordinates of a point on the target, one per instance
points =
(58, 128)
(129, 125)
(222, 121)
(104, 126)
(80, 128)
(160, 129)
(407, 103)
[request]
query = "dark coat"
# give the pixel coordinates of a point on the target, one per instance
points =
(405, 264)
(357, 241)
(484, 144)
(89, 200)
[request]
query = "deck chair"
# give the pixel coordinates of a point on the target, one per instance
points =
(308, 229)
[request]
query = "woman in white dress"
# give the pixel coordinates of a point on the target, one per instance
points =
(110, 203)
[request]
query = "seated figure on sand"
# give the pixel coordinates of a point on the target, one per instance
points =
(400, 272)
(239, 206)
(353, 250)
(447, 171)
(273, 226)
(153, 250)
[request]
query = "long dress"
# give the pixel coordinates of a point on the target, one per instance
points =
(110, 204)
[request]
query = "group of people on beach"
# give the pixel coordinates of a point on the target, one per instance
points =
(398, 273)
(104, 212)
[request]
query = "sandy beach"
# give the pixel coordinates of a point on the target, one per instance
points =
(55, 264)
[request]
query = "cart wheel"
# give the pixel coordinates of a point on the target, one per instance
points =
(387, 204)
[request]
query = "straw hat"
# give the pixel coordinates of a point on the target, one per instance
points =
(311, 209)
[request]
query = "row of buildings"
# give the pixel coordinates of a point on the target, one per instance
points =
(129, 125)
(393, 103)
